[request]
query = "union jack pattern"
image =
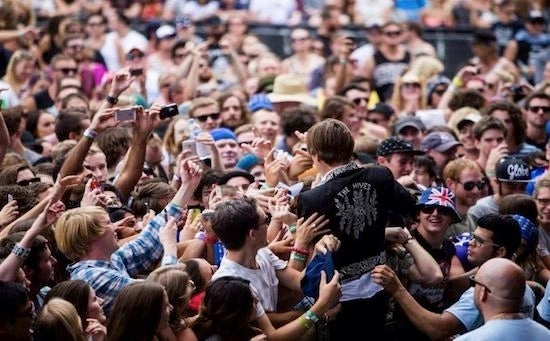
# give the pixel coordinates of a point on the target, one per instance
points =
(442, 197)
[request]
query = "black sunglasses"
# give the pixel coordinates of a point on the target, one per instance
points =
(469, 185)
(28, 182)
(131, 56)
(536, 109)
(68, 70)
(214, 116)
(392, 33)
(429, 209)
(358, 100)
(473, 283)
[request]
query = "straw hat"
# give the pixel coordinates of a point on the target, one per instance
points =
(290, 88)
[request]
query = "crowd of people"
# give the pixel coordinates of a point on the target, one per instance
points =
(165, 175)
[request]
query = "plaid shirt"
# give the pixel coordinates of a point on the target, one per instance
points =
(108, 278)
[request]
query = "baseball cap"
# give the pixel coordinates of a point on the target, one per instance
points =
(536, 16)
(259, 102)
(408, 121)
(394, 144)
(473, 117)
(439, 141)
(165, 31)
(235, 174)
(513, 170)
(383, 109)
(441, 197)
(183, 21)
(461, 117)
(223, 134)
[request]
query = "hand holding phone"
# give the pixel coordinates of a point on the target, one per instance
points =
(169, 110)
(127, 114)
(10, 198)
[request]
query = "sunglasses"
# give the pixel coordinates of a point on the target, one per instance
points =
(134, 56)
(214, 116)
(469, 185)
(76, 47)
(411, 85)
(429, 209)
(439, 92)
(392, 33)
(480, 241)
(473, 283)
(358, 100)
(28, 182)
(537, 109)
(68, 70)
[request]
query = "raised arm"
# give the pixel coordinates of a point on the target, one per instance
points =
(133, 163)
(4, 138)
(436, 326)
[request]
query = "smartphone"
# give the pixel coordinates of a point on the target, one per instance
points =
(169, 110)
(189, 145)
(128, 114)
(219, 193)
(194, 212)
(136, 72)
(94, 184)
(10, 198)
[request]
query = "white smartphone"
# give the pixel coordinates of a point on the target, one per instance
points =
(189, 145)
(128, 114)
(10, 198)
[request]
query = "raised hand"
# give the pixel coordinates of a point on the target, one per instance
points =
(103, 120)
(8, 213)
(121, 82)
(309, 229)
(190, 172)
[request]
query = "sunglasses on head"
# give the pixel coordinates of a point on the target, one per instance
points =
(537, 109)
(429, 209)
(214, 116)
(28, 182)
(469, 185)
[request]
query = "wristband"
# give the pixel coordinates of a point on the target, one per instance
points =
(408, 240)
(298, 257)
(21, 252)
(311, 316)
(301, 251)
(90, 133)
(491, 174)
(457, 82)
(292, 229)
(176, 178)
(307, 324)
(111, 100)
(210, 239)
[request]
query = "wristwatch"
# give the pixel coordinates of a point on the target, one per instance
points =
(112, 100)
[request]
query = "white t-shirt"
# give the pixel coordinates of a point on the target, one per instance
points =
(508, 330)
(263, 281)
(467, 313)
(273, 11)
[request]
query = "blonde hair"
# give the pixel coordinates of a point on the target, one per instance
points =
(77, 228)
(169, 142)
(542, 182)
(397, 101)
(458, 116)
(16, 58)
(59, 320)
(175, 281)
(426, 67)
(455, 167)
(201, 102)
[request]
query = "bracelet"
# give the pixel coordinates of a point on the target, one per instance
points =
(90, 133)
(298, 257)
(311, 316)
(292, 229)
(305, 322)
(408, 240)
(457, 82)
(490, 174)
(176, 178)
(301, 251)
(210, 239)
(21, 252)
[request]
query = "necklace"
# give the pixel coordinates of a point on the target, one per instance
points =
(508, 316)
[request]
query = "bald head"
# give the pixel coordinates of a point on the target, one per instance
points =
(506, 281)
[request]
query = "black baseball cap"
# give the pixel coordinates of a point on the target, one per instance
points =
(394, 145)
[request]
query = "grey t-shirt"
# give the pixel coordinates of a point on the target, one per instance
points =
(483, 206)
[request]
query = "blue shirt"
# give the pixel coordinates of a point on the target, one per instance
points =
(108, 278)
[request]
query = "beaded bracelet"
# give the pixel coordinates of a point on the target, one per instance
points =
(408, 240)
(292, 229)
(301, 251)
